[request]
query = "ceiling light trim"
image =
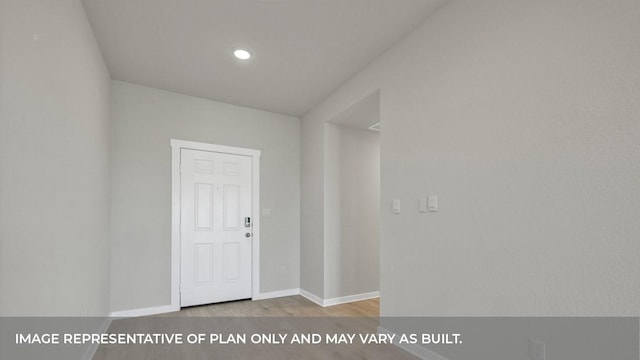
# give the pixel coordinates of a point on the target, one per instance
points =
(242, 53)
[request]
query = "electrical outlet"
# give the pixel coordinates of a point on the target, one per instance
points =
(537, 350)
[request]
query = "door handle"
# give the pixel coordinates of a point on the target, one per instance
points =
(247, 235)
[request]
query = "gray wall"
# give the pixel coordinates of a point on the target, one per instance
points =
(312, 209)
(143, 122)
(352, 211)
(522, 116)
(54, 162)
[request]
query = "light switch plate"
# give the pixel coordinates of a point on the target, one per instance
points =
(395, 206)
(432, 203)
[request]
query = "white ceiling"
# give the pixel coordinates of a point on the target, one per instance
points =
(304, 49)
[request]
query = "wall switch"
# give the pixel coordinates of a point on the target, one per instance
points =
(432, 203)
(422, 204)
(266, 212)
(395, 206)
(537, 350)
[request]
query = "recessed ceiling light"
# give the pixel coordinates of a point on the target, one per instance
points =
(242, 54)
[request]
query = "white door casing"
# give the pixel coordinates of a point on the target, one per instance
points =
(215, 240)
(214, 189)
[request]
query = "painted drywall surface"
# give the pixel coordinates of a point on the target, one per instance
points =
(352, 211)
(54, 162)
(143, 122)
(312, 208)
(522, 116)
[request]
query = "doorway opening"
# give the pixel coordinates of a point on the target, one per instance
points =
(352, 203)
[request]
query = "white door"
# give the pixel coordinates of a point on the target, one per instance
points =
(215, 227)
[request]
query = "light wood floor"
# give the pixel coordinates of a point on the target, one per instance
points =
(288, 315)
(284, 306)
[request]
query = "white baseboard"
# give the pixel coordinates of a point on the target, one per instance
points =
(413, 349)
(338, 300)
(170, 308)
(277, 294)
(91, 350)
(145, 311)
(163, 309)
(351, 298)
(262, 296)
(311, 297)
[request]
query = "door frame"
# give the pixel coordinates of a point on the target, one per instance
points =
(176, 146)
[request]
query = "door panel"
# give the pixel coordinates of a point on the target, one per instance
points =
(232, 261)
(203, 264)
(231, 203)
(215, 190)
(204, 207)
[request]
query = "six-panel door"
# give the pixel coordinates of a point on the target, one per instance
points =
(215, 242)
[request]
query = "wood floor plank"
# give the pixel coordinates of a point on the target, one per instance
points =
(284, 306)
(286, 315)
